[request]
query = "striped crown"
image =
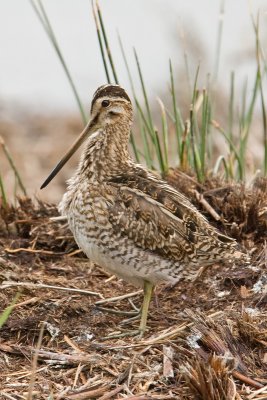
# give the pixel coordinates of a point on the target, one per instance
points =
(109, 91)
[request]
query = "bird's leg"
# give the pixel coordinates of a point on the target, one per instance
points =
(148, 290)
(98, 304)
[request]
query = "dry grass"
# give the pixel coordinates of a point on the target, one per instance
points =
(35, 142)
(207, 337)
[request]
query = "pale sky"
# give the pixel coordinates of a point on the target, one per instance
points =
(31, 74)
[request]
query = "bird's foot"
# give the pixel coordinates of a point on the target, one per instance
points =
(118, 312)
(138, 333)
(131, 319)
(122, 334)
(111, 310)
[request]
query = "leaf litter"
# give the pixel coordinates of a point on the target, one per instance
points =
(207, 336)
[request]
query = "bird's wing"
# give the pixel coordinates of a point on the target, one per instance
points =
(158, 218)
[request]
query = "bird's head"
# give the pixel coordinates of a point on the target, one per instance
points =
(110, 105)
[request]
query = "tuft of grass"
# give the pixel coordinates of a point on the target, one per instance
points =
(7, 311)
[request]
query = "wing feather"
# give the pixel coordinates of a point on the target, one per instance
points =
(160, 219)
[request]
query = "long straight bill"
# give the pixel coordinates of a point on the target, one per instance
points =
(69, 153)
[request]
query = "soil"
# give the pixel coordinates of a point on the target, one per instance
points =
(207, 335)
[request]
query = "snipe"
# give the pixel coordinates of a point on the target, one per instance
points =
(125, 218)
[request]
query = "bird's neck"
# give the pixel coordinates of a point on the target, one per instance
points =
(106, 152)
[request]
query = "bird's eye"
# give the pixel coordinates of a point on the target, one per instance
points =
(105, 103)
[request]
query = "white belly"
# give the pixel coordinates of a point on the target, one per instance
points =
(114, 265)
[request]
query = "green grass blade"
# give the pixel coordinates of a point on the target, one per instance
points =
(194, 133)
(197, 100)
(177, 117)
(205, 123)
(159, 153)
(106, 43)
(3, 192)
(144, 129)
(165, 138)
(244, 100)
(134, 147)
(13, 166)
(253, 101)
(133, 90)
(221, 160)
(41, 14)
(232, 148)
(184, 146)
(147, 154)
(231, 106)
(264, 119)
(146, 123)
(195, 86)
(152, 135)
(100, 43)
(194, 150)
(218, 44)
(126, 65)
(144, 91)
(7, 311)
(186, 63)
(245, 123)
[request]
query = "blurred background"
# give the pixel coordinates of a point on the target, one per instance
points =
(39, 117)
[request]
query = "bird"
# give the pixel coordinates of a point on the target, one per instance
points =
(126, 218)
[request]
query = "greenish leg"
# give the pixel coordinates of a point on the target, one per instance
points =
(148, 290)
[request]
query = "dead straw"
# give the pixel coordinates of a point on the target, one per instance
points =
(30, 285)
(12, 164)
